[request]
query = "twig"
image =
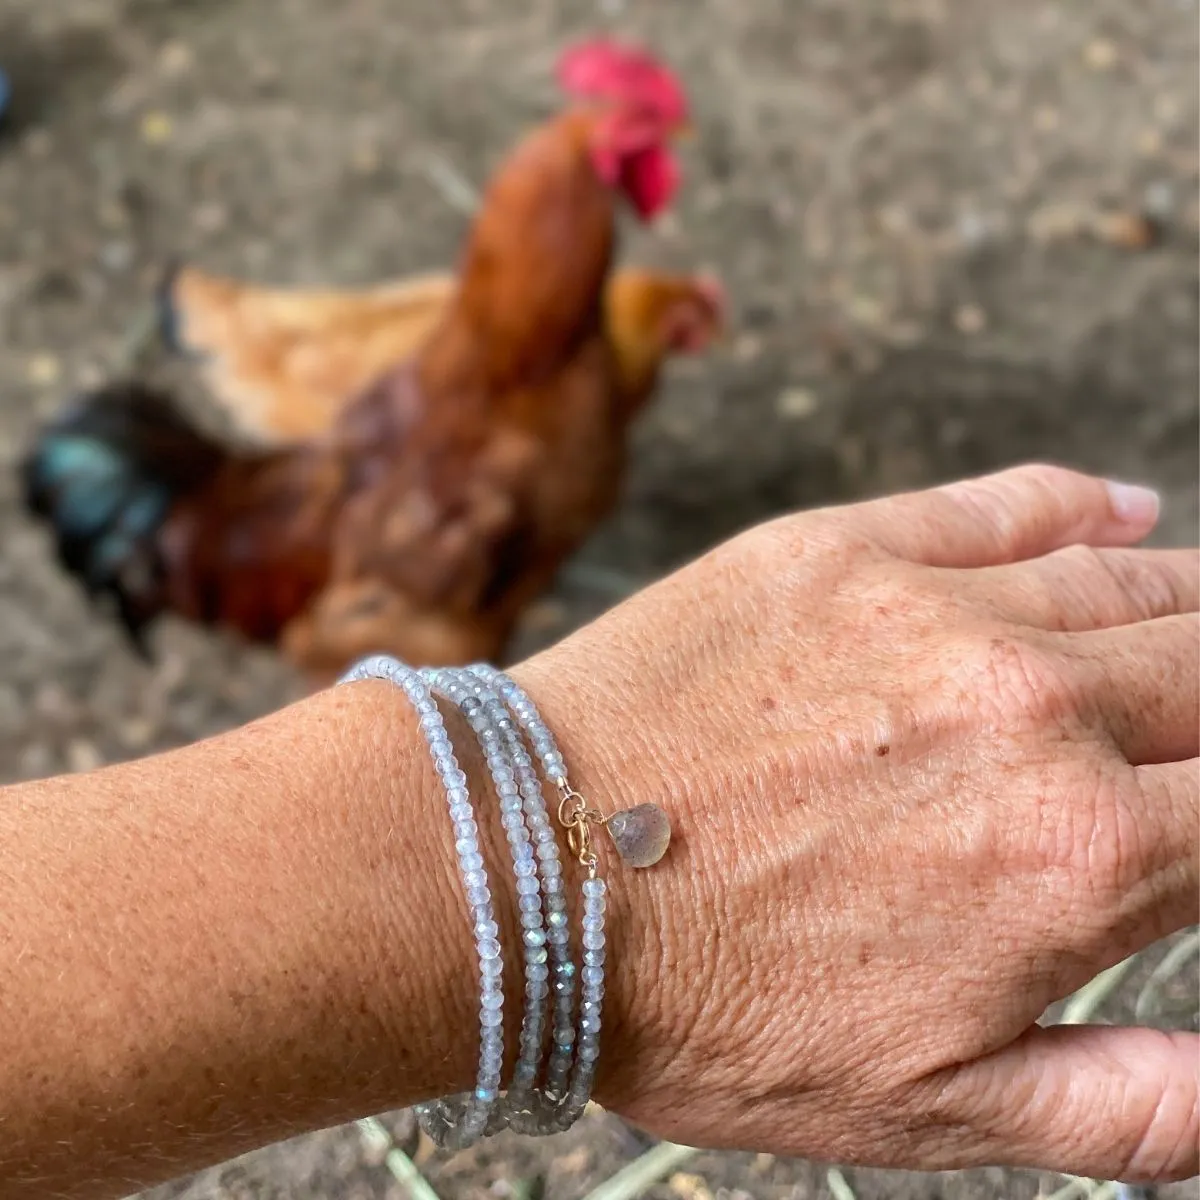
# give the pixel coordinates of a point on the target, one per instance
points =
(401, 1166)
(455, 189)
(839, 1189)
(635, 1177)
(1172, 961)
(1083, 1003)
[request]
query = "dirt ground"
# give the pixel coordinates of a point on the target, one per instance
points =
(926, 212)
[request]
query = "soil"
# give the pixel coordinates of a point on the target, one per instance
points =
(958, 234)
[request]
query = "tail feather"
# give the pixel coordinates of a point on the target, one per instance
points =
(105, 475)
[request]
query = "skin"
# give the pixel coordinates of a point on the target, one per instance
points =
(930, 763)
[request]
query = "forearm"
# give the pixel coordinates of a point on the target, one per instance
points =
(212, 949)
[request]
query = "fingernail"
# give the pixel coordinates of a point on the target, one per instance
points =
(1133, 504)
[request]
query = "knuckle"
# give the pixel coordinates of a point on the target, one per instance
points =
(1012, 677)
(1017, 673)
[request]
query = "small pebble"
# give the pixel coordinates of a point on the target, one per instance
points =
(1100, 54)
(116, 256)
(156, 128)
(689, 1187)
(83, 755)
(175, 58)
(43, 370)
(970, 319)
(794, 404)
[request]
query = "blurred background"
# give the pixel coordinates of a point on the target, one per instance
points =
(956, 235)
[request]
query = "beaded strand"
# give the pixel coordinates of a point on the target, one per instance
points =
(502, 716)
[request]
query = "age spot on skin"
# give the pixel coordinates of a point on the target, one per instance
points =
(883, 750)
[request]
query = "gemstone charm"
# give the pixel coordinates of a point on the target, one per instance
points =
(641, 834)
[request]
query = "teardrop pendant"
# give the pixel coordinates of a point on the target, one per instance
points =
(640, 834)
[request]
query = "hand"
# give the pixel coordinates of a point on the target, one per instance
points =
(930, 763)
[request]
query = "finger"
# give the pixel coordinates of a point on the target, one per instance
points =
(1084, 1100)
(1144, 681)
(1081, 588)
(1015, 515)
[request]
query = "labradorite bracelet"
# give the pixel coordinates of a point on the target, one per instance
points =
(502, 717)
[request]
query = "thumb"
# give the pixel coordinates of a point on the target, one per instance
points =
(1088, 1100)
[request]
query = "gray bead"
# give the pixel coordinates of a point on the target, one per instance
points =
(527, 885)
(640, 834)
(488, 948)
(478, 895)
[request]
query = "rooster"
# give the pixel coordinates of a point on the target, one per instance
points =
(444, 496)
(281, 363)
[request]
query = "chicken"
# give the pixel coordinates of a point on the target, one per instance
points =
(445, 496)
(282, 363)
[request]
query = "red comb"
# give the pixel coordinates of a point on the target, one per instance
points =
(607, 70)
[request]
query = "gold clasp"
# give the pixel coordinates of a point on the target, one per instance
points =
(576, 816)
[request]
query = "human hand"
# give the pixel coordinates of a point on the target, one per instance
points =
(930, 763)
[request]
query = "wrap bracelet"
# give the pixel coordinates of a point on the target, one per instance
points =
(515, 742)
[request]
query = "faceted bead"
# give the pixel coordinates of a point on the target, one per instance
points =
(528, 902)
(640, 834)
(488, 948)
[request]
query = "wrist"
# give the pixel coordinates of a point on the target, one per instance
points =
(610, 766)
